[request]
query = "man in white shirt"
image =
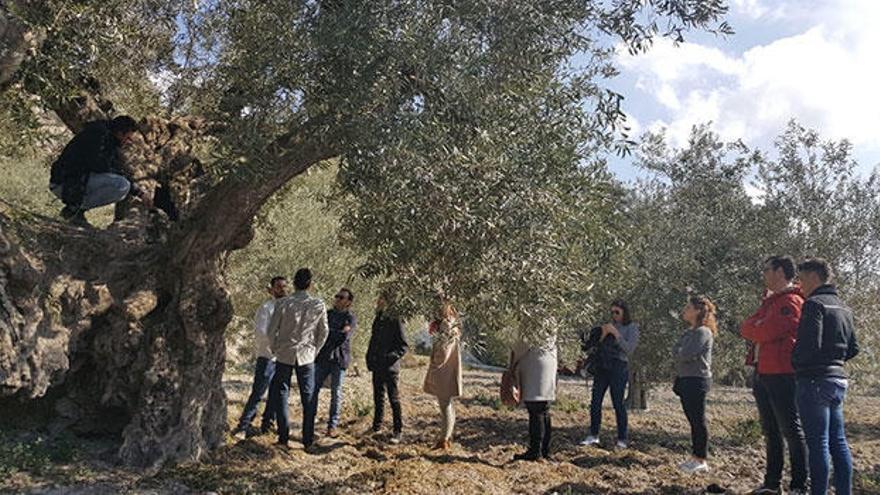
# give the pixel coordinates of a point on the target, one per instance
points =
(265, 368)
(297, 332)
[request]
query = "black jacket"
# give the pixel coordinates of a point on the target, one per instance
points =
(337, 348)
(826, 336)
(92, 150)
(387, 344)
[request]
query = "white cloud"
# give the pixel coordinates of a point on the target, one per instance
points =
(757, 9)
(826, 77)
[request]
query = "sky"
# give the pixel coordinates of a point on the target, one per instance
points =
(814, 60)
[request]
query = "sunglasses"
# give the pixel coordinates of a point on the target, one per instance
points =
(340, 296)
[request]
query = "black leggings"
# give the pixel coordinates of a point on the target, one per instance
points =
(692, 391)
(539, 427)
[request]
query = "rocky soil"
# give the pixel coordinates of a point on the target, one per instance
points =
(487, 436)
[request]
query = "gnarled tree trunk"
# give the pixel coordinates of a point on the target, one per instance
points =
(121, 331)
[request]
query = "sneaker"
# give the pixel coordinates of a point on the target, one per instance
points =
(621, 444)
(693, 466)
(590, 440)
(395, 438)
(797, 491)
(240, 432)
(764, 490)
(331, 433)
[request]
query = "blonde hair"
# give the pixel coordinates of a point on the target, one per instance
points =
(705, 312)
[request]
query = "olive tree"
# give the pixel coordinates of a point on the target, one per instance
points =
(414, 98)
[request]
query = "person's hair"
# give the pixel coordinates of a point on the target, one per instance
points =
(819, 266)
(276, 278)
(349, 292)
(786, 263)
(705, 312)
(447, 309)
(627, 316)
(123, 125)
(302, 279)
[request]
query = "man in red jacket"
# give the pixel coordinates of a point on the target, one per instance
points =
(772, 331)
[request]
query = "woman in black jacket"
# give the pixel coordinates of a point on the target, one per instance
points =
(387, 346)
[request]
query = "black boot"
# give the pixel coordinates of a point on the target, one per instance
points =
(545, 442)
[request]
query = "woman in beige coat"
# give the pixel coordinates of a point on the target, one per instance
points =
(443, 379)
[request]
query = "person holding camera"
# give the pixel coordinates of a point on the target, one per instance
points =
(612, 344)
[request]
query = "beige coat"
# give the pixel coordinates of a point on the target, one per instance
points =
(443, 379)
(298, 328)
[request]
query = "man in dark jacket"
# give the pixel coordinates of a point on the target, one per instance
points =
(772, 330)
(88, 172)
(387, 346)
(335, 356)
(826, 339)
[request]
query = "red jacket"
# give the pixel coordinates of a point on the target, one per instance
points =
(773, 329)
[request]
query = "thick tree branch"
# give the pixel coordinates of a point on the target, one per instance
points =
(17, 40)
(223, 218)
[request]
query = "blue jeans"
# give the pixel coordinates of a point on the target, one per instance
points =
(336, 374)
(279, 393)
(263, 373)
(101, 189)
(820, 401)
(615, 378)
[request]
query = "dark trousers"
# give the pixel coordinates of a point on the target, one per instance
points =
(539, 427)
(263, 373)
(279, 393)
(692, 391)
(777, 408)
(386, 381)
(616, 379)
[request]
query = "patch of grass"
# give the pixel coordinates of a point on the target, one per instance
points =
(745, 432)
(490, 401)
(38, 456)
(361, 407)
(570, 404)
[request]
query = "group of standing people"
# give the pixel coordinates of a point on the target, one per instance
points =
(800, 338)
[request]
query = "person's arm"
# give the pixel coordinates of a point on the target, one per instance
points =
(852, 348)
(778, 322)
(629, 342)
(262, 319)
(323, 329)
(695, 345)
(401, 346)
(809, 335)
(274, 326)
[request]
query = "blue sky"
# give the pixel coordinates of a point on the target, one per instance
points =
(813, 60)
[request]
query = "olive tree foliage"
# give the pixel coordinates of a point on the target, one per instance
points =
(820, 206)
(696, 231)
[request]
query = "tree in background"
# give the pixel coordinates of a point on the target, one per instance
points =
(824, 208)
(238, 98)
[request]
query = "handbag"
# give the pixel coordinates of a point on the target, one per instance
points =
(510, 391)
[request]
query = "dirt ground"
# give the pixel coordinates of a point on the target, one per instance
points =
(486, 437)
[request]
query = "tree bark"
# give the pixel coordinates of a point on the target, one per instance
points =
(121, 331)
(637, 397)
(16, 41)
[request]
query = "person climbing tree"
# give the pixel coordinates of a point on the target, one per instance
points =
(88, 173)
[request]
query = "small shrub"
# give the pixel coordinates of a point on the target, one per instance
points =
(745, 432)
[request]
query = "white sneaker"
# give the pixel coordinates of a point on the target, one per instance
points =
(621, 444)
(693, 466)
(590, 440)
